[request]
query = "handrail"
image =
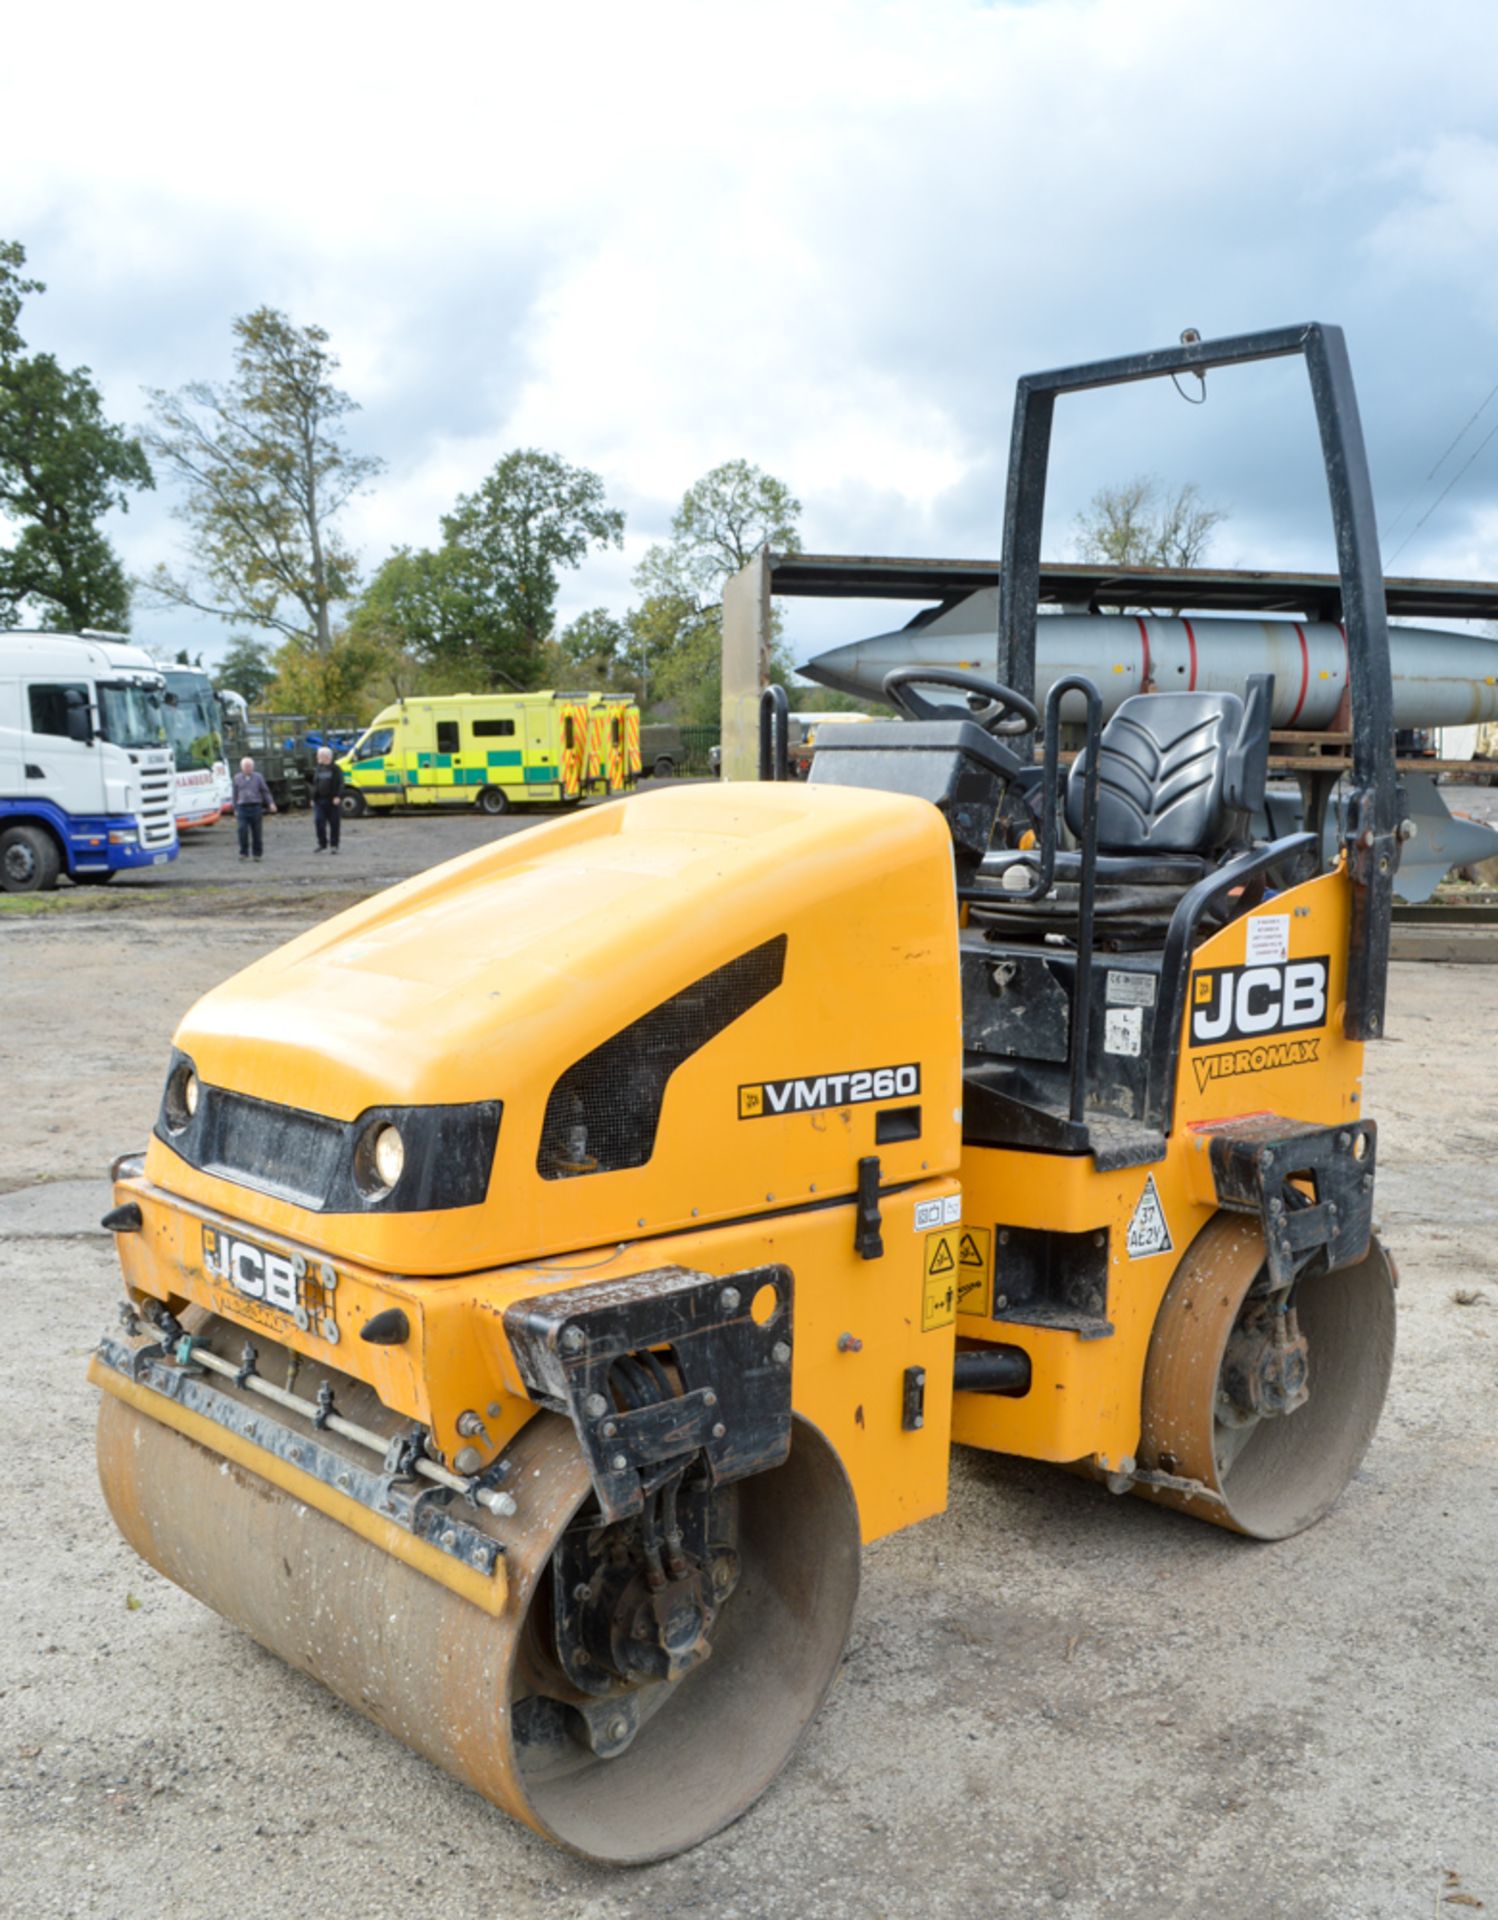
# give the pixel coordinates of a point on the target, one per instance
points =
(1081, 1004)
(774, 734)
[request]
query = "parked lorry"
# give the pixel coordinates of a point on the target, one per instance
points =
(87, 784)
(490, 750)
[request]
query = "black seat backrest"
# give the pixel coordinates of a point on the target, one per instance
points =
(1178, 772)
(954, 764)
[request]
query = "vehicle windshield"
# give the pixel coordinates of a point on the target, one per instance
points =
(377, 741)
(130, 715)
(193, 722)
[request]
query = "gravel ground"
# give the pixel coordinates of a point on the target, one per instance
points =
(1054, 1701)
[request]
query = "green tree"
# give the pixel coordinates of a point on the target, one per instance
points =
(591, 654)
(676, 631)
(723, 520)
(428, 604)
(266, 470)
(324, 681)
(670, 639)
(1139, 525)
(533, 516)
(684, 649)
(246, 668)
(63, 465)
(483, 604)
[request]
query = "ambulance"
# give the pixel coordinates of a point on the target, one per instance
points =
(613, 743)
(490, 750)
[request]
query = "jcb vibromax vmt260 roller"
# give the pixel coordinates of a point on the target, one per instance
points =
(543, 1277)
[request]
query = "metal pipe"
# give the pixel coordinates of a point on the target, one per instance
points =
(1079, 1031)
(489, 1497)
(991, 1370)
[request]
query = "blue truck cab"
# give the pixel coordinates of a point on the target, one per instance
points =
(87, 775)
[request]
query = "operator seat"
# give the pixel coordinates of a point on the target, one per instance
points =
(1180, 778)
(1178, 773)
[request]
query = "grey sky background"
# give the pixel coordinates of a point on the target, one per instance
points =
(825, 237)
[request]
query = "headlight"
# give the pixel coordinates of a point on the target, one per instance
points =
(379, 1159)
(182, 1092)
(389, 1155)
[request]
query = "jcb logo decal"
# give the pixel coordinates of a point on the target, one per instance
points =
(253, 1271)
(828, 1090)
(1248, 1003)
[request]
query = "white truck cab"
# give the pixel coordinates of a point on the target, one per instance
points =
(87, 777)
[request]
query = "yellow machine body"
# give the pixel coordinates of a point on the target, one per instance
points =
(544, 1277)
(798, 1157)
(489, 976)
(1085, 1395)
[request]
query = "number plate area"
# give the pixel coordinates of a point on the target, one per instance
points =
(252, 1283)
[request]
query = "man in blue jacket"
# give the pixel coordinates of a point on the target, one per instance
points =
(252, 801)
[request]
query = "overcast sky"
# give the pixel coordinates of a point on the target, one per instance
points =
(824, 236)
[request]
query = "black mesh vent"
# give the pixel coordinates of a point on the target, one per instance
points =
(604, 1111)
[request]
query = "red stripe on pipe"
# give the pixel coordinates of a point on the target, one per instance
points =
(1191, 642)
(1305, 673)
(1144, 641)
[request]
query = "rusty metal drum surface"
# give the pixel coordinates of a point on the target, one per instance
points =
(1271, 1477)
(444, 1676)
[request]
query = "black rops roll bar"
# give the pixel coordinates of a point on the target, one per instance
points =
(1372, 838)
(774, 734)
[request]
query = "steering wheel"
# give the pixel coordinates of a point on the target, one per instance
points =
(998, 710)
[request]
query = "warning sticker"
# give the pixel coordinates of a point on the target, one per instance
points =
(1123, 1030)
(938, 1213)
(975, 1270)
(939, 1292)
(1267, 942)
(1148, 1231)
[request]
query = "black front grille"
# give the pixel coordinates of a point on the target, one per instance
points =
(604, 1111)
(280, 1149)
(310, 1160)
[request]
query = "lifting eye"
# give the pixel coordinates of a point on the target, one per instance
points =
(763, 1306)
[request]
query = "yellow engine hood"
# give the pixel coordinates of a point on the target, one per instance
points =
(487, 977)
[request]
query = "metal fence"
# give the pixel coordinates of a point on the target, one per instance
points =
(696, 742)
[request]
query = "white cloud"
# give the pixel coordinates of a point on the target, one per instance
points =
(825, 236)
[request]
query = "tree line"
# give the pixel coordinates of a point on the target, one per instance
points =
(262, 470)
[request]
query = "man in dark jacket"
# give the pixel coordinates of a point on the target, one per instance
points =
(327, 800)
(252, 801)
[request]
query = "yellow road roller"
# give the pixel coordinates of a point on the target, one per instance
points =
(543, 1278)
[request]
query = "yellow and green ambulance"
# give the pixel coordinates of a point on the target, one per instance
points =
(490, 750)
(613, 764)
